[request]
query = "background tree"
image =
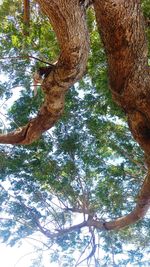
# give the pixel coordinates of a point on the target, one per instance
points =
(88, 164)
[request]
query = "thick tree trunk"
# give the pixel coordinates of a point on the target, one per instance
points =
(121, 25)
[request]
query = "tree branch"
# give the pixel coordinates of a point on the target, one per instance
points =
(92, 253)
(73, 39)
(60, 232)
(26, 17)
(26, 57)
(142, 206)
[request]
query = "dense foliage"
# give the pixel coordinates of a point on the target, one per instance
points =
(87, 162)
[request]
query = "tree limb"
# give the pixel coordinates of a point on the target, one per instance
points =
(73, 39)
(142, 206)
(92, 253)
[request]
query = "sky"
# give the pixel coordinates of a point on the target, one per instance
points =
(21, 256)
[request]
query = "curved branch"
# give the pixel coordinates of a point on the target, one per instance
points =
(69, 23)
(142, 206)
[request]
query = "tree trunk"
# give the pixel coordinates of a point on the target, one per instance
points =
(121, 25)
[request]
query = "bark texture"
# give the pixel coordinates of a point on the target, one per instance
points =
(121, 25)
(69, 23)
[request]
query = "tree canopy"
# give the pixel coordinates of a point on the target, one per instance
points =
(77, 180)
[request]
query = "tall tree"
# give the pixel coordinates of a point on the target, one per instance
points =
(80, 172)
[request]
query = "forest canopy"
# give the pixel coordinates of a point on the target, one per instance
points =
(75, 138)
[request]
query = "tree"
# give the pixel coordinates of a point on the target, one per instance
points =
(125, 46)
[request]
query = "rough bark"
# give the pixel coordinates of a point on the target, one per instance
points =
(121, 25)
(69, 23)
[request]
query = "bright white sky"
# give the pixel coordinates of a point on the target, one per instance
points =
(21, 256)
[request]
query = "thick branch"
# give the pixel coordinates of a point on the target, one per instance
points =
(61, 232)
(68, 20)
(142, 206)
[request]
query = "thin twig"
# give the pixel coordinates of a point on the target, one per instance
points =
(21, 57)
(77, 262)
(34, 239)
(10, 119)
(92, 242)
